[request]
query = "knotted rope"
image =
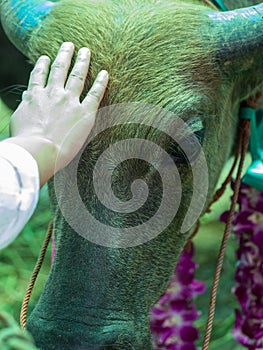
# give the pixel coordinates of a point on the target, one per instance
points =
(23, 313)
(244, 141)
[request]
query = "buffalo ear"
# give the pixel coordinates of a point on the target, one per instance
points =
(20, 18)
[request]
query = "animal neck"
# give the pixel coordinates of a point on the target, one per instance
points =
(83, 296)
(96, 292)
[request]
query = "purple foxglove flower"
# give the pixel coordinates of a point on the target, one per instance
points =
(248, 228)
(172, 317)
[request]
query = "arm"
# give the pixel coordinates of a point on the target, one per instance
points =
(19, 187)
(49, 116)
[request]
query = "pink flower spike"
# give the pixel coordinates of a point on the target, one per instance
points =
(172, 318)
(248, 228)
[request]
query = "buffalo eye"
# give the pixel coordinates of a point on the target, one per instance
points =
(192, 144)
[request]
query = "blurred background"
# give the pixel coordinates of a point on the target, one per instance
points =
(18, 260)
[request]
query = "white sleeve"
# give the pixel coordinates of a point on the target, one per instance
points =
(19, 188)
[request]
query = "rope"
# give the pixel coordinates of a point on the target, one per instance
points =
(23, 313)
(244, 136)
(221, 190)
(211, 4)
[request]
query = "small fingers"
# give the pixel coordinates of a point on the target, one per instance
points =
(79, 72)
(39, 74)
(96, 93)
(60, 67)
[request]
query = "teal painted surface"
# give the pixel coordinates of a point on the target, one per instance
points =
(20, 18)
(254, 174)
(260, 131)
(220, 4)
(253, 13)
(30, 16)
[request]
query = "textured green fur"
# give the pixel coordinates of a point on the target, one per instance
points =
(168, 54)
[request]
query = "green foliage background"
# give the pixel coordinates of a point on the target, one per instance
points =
(17, 262)
(18, 259)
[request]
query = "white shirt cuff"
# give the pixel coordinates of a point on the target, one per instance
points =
(19, 188)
